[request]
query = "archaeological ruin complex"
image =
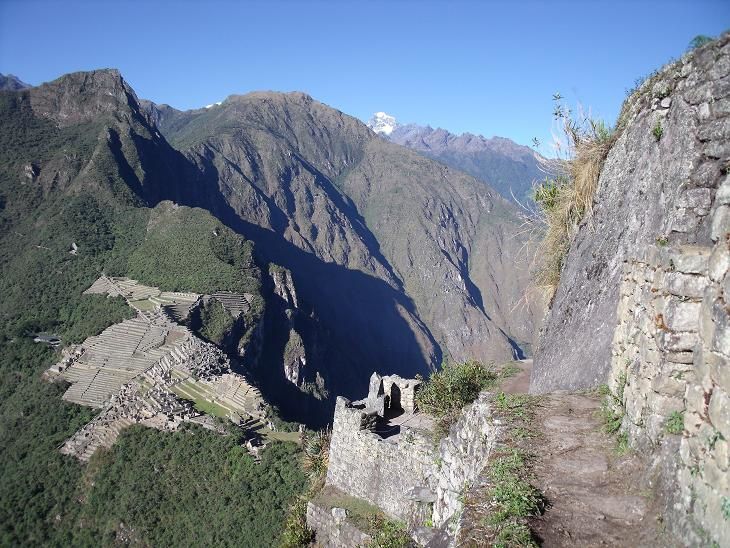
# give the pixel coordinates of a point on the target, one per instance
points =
(150, 369)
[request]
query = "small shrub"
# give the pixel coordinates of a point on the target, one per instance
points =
(725, 505)
(611, 419)
(567, 198)
(658, 131)
(675, 423)
(622, 444)
(388, 533)
(662, 241)
(453, 387)
(296, 532)
(316, 455)
(699, 41)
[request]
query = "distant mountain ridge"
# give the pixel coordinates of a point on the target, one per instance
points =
(506, 166)
(10, 82)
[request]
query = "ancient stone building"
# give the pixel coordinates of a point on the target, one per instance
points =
(384, 452)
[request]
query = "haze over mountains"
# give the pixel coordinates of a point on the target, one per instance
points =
(509, 168)
(398, 261)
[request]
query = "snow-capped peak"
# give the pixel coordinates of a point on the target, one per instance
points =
(219, 103)
(382, 123)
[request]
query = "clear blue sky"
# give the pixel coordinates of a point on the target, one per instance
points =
(483, 67)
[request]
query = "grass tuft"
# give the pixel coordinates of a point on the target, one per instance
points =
(512, 499)
(567, 198)
(657, 131)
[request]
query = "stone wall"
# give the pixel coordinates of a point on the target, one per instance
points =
(462, 455)
(386, 472)
(650, 189)
(410, 476)
(671, 364)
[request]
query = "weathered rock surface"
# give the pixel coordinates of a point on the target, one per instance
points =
(649, 191)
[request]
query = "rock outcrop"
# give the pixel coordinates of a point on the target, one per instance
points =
(656, 186)
(643, 298)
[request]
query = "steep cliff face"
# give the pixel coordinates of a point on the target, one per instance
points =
(658, 186)
(643, 298)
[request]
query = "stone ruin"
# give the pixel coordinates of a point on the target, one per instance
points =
(148, 370)
(383, 451)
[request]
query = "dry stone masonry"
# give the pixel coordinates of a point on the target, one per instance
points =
(384, 451)
(671, 371)
(655, 188)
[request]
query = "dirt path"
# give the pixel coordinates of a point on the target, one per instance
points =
(596, 497)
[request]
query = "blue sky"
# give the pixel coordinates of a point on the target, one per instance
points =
(482, 67)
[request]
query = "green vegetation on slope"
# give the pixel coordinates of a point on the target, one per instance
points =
(190, 488)
(189, 250)
(452, 387)
(215, 321)
(193, 485)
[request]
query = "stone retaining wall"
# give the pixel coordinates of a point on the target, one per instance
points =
(671, 363)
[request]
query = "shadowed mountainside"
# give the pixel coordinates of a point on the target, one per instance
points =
(318, 189)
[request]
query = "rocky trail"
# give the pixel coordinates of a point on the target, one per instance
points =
(596, 496)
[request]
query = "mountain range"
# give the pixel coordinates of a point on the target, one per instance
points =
(511, 169)
(399, 262)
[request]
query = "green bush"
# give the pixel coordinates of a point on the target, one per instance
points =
(316, 455)
(453, 387)
(657, 131)
(675, 423)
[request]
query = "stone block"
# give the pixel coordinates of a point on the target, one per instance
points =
(694, 399)
(664, 405)
(719, 412)
(719, 369)
(695, 197)
(680, 341)
(682, 315)
(679, 357)
(668, 386)
(706, 324)
(721, 336)
(721, 455)
(685, 285)
(653, 427)
(683, 220)
(720, 223)
(649, 354)
(722, 196)
(719, 262)
(689, 259)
